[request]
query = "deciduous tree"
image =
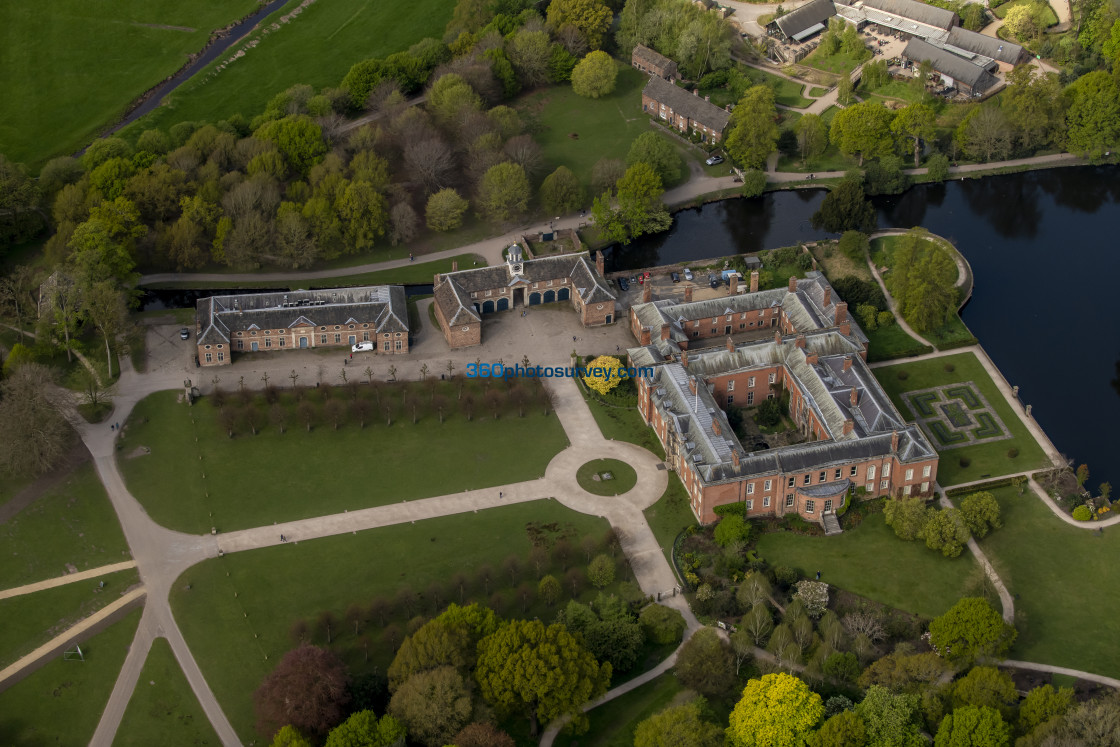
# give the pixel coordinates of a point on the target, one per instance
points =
(561, 192)
(33, 433)
(308, 689)
(595, 75)
(445, 210)
(1093, 116)
(916, 122)
(679, 726)
(845, 208)
(973, 726)
(591, 17)
(970, 629)
(946, 531)
(812, 136)
(653, 149)
(636, 208)
(775, 709)
(705, 664)
(503, 193)
(863, 130)
(539, 672)
(364, 729)
(753, 130)
(981, 513)
(891, 719)
(432, 705)
(845, 729)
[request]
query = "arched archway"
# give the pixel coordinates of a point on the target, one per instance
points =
(562, 294)
(488, 307)
(534, 299)
(503, 304)
(549, 296)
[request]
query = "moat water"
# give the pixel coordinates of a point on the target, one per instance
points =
(1044, 253)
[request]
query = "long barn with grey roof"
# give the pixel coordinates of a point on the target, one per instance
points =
(464, 297)
(687, 112)
(853, 440)
(334, 317)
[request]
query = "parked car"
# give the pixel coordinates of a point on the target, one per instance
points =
(648, 275)
(641, 280)
(623, 284)
(714, 283)
(184, 334)
(633, 280)
(676, 276)
(687, 274)
(362, 347)
(714, 160)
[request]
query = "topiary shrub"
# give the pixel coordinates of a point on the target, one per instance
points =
(1082, 513)
(964, 461)
(786, 576)
(661, 624)
(1012, 452)
(950, 368)
(903, 375)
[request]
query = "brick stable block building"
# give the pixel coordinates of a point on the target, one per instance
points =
(464, 297)
(335, 317)
(855, 441)
(686, 112)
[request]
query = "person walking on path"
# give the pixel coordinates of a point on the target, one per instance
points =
(499, 495)
(818, 575)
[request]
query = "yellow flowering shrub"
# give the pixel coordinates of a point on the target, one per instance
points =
(603, 373)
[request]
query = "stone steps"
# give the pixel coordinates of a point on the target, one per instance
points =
(831, 524)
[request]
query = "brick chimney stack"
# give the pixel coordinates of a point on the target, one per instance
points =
(735, 458)
(715, 427)
(688, 294)
(696, 92)
(778, 337)
(734, 284)
(692, 384)
(846, 328)
(644, 340)
(827, 297)
(647, 293)
(849, 426)
(664, 331)
(801, 341)
(854, 397)
(454, 265)
(600, 263)
(754, 281)
(730, 344)
(847, 362)
(435, 279)
(811, 359)
(841, 313)
(684, 362)
(793, 284)
(894, 441)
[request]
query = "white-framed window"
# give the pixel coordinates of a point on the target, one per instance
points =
(766, 502)
(750, 488)
(792, 482)
(323, 339)
(337, 337)
(750, 505)
(766, 486)
(837, 474)
(869, 487)
(772, 378)
(386, 346)
(822, 476)
(728, 319)
(852, 473)
(268, 342)
(750, 398)
(760, 313)
(400, 345)
(906, 490)
(883, 484)
(731, 385)
(731, 399)
(925, 486)
(281, 342)
(807, 479)
(750, 382)
(871, 472)
(926, 471)
(221, 357)
(240, 344)
(365, 337)
(789, 500)
(887, 469)
(489, 293)
(828, 505)
(209, 357)
(810, 507)
(909, 475)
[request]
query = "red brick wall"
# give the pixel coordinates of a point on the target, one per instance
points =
(463, 335)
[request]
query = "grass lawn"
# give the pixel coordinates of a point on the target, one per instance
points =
(838, 64)
(318, 48)
(1049, 17)
(623, 424)
(953, 333)
(29, 621)
(1057, 574)
(577, 132)
(670, 515)
(916, 579)
(817, 91)
(987, 458)
(61, 703)
(163, 709)
(831, 160)
(901, 89)
(892, 341)
(73, 524)
(624, 477)
(239, 609)
(419, 273)
(193, 485)
(69, 72)
(835, 264)
(614, 722)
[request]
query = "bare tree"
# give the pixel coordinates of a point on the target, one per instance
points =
(431, 162)
(407, 600)
(306, 412)
(227, 418)
(866, 624)
(538, 558)
(742, 646)
(459, 583)
(294, 377)
(605, 173)
(16, 289)
(404, 224)
(575, 578)
(369, 375)
(308, 689)
(758, 623)
(436, 596)
(523, 150)
(325, 624)
(440, 404)
(562, 553)
(253, 417)
(360, 409)
(300, 632)
(33, 432)
(278, 414)
(335, 411)
(486, 577)
(380, 609)
(512, 566)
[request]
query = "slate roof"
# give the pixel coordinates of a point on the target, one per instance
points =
(653, 58)
(807, 16)
(947, 63)
(382, 306)
(690, 105)
(915, 11)
(825, 385)
(989, 46)
(453, 293)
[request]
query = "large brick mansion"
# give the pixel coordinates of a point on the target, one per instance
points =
(855, 437)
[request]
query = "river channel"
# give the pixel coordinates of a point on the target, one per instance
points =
(1043, 247)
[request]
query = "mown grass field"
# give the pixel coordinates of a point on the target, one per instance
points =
(163, 709)
(251, 480)
(73, 523)
(916, 580)
(987, 458)
(1058, 574)
(70, 68)
(239, 609)
(317, 47)
(61, 703)
(614, 722)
